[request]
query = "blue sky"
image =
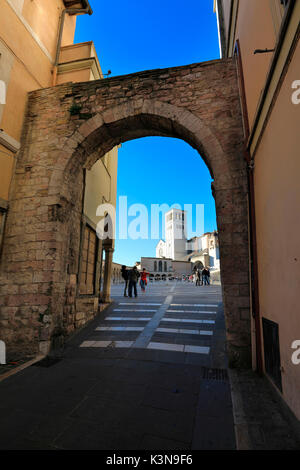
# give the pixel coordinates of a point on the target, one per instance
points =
(133, 36)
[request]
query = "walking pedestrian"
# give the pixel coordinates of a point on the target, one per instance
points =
(133, 276)
(143, 281)
(124, 274)
(198, 277)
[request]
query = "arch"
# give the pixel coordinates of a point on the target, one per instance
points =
(133, 120)
(198, 265)
(198, 103)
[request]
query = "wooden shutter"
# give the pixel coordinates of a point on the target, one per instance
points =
(88, 262)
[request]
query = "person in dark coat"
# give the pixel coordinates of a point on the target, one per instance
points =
(205, 276)
(133, 276)
(124, 274)
(198, 277)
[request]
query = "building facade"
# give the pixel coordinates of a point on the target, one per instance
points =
(37, 51)
(176, 246)
(166, 268)
(205, 249)
(263, 38)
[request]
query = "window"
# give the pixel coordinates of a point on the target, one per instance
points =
(160, 266)
(88, 262)
(166, 266)
(155, 266)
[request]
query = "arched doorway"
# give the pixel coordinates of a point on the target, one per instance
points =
(68, 128)
(198, 265)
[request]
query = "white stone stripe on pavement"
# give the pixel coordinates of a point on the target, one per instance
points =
(105, 344)
(120, 328)
(193, 305)
(129, 318)
(192, 311)
(132, 310)
(151, 345)
(138, 303)
(179, 347)
(184, 331)
(186, 320)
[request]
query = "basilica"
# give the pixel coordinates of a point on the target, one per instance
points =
(178, 256)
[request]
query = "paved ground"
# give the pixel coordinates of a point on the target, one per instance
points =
(140, 376)
(148, 374)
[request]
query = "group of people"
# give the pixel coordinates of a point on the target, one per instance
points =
(201, 277)
(131, 277)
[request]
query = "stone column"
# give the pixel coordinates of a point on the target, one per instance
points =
(107, 274)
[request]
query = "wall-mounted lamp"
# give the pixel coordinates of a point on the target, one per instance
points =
(263, 51)
(107, 74)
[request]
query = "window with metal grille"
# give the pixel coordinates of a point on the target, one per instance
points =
(88, 262)
(272, 351)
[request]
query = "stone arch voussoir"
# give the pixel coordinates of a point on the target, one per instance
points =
(202, 137)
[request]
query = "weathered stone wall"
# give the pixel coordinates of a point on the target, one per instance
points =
(71, 126)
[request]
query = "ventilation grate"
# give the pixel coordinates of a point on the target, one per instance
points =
(214, 374)
(272, 351)
(48, 361)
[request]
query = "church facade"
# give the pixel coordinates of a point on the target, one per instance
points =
(201, 250)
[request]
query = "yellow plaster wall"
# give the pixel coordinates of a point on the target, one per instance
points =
(6, 168)
(277, 202)
(82, 75)
(101, 184)
(28, 38)
(43, 16)
(76, 52)
(255, 30)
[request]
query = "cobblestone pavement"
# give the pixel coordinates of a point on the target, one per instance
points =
(147, 374)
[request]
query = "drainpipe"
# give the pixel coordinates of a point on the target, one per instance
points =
(71, 11)
(252, 218)
(254, 267)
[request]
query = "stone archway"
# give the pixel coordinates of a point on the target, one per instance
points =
(69, 128)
